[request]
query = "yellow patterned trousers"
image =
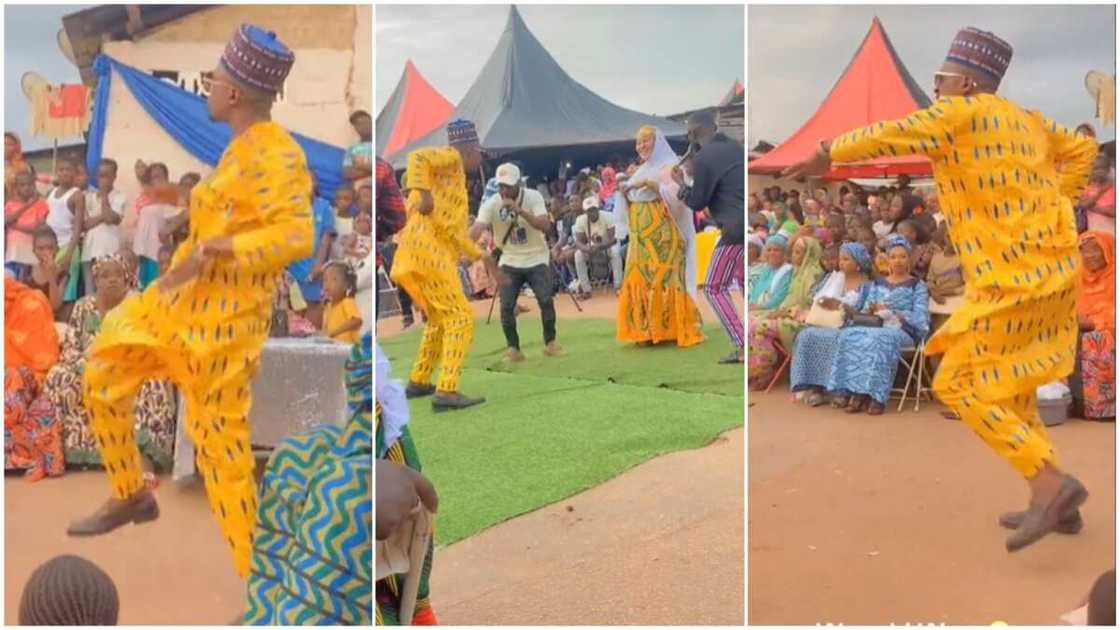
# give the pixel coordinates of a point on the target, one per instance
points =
(1011, 427)
(217, 395)
(448, 333)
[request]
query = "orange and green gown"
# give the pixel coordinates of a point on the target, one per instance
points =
(206, 336)
(426, 263)
(1005, 178)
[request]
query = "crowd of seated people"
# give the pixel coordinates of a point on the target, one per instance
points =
(841, 286)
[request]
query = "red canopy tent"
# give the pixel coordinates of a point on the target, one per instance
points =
(875, 86)
(736, 90)
(414, 109)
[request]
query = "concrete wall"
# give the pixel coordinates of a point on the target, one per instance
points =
(331, 78)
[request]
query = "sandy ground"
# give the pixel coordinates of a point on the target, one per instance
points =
(862, 520)
(660, 544)
(176, 570)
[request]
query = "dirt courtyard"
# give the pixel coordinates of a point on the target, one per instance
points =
(892, 520)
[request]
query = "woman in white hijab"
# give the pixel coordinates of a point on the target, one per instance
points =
(657, 301)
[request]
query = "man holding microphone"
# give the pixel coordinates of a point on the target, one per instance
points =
(519, 219)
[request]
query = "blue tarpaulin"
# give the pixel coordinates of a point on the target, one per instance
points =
(185, 118)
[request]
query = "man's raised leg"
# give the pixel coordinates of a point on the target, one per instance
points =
(111, 381)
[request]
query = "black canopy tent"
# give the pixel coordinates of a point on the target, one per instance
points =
(528, 109)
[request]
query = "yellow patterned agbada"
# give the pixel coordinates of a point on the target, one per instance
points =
(426, 263)
(1005, 179)
(206, 336)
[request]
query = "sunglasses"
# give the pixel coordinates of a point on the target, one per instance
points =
(939, 76)
(208, 84)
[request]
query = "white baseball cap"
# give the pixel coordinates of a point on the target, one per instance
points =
(591, 202)
(508, 174)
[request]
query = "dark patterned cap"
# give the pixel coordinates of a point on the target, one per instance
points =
(982, 51)
(461, 131)
(256, 58)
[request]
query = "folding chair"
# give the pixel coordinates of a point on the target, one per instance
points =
(918, 377)
(388, 300)
(786, 358)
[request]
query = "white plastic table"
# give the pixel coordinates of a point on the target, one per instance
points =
(301, 384)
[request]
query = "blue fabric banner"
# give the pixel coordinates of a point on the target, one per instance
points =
(185, 118)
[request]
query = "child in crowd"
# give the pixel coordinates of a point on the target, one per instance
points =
(176, 228)
(360, 242)
(24, 215)
(65, 215)
(342, 321)
(51, 272)
(153, 207)
(104, 211)
(343, 220)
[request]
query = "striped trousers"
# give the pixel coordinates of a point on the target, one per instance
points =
(725, 272)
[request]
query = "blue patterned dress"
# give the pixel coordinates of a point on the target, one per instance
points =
(814, 348)
(866, 358)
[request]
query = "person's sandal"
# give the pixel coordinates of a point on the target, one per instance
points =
(816, 399)
(875, 409)
(841, 402)
(856, 405)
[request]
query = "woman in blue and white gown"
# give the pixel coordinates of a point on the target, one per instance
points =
(866, 359)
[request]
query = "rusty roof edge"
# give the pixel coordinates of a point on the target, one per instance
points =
(88, 28)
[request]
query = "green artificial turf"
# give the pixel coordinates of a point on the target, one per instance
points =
(553, 427)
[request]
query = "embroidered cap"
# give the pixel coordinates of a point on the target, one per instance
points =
(981, 51)
(461, 131)
(257, 58)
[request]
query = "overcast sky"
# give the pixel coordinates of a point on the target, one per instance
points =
(654, 59)
(30, 33)
(796, 54)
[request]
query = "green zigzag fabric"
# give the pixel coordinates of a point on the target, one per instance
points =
(313, 550)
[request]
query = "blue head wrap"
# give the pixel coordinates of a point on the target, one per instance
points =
(779, 240)
(858, 253)
(898, 240)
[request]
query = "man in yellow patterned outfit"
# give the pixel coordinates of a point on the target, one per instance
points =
(426, 264)
(203, 324)
(1005, 179)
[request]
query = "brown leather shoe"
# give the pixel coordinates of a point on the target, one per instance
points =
(416, 390)
(140, 508)
(1068, 524)
(453, 401)
(1040, 520)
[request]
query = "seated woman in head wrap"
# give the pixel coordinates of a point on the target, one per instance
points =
(32, 434)
(772, 283)
(866, 358)
(657, 299)
(783, 323)
(155, 405)
(312, 543)
(815, 346)
(1094, 378)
